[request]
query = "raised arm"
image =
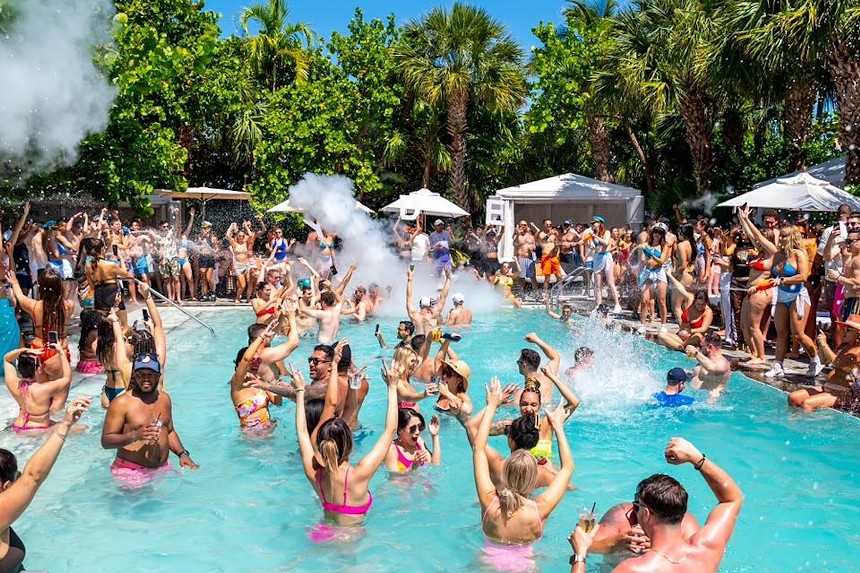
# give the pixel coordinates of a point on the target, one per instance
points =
(341, 288)
(682, 290)
(374, 458)
(550, 498)
(305, 445)
(552, 355)
(17, 497)
(24, 301)
(483, 481)
(571, 400)
(721, 521)
(753, 231)
(436, 458)
(157, 323)
(443, 296)
(410, 304)
(549, 312)
(16, 230)
(283, 350)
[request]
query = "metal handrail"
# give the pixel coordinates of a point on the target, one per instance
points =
(556, 289)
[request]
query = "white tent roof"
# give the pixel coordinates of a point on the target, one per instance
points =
(285, 207)
(801, 192)
(832, 171)
(206, 194)
(568, 187)
(424, 201)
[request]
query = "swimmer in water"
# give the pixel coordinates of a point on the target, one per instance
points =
(408, 452)
(428, 315)
(713, 371)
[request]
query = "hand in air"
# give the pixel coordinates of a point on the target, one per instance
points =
(143, 289)
(680, 451)
(556, 417)
(76, 409)
(532, 337)
(410, 272)
(296, 377)
(434, 426)
(509, 392)
(494, 392)
(338, 349)
(254, 381)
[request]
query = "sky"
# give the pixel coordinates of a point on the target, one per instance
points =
(327, 16)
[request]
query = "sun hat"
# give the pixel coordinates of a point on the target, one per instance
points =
(460, 368)
(852, 322)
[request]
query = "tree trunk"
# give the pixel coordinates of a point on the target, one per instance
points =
(733, 129)
(599, 141)
(697, 120)
(797, 119)
(649, 176)
(843, 64)
(458, 105)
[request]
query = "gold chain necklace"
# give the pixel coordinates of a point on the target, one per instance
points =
(666, 557)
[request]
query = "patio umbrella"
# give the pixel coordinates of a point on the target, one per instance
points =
(285, 207)
(426, 202)
(801, 192)
(204, 195)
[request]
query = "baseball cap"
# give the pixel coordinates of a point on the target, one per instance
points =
(49, 224)
(458, 298)
(438, 222)
(304, 284)
(598, 219)
(146, 362)
(205, 224)
(677, 375)
(568, 223)
(425, 302)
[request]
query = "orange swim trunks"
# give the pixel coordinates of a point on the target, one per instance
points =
(550, 266)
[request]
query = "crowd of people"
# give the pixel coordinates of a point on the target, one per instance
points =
(724, 288)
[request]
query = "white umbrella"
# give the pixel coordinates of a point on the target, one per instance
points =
(285, 207)
(426, 202)
(801, 192)
(205, 194)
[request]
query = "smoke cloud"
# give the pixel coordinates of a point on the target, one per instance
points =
(53, 95)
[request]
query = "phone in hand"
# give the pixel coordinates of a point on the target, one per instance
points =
(377, 329)
(53, 337)
(145, 315)
(115, 249)
(743, 207)
(333, 270)
(411, 266)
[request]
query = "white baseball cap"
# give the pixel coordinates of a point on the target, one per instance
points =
(438, 222)
(458, 298)
(425, 302)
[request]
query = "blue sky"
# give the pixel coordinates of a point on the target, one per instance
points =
(327, 16)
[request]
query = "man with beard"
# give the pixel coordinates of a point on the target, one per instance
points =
(139, 425)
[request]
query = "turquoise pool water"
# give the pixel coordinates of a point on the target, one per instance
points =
(249, 506)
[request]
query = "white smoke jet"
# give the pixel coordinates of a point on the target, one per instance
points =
(53, 95)
(329, 200)
(705, 203)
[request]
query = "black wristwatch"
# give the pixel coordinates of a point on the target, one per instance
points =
(576, 558)
(184, 453)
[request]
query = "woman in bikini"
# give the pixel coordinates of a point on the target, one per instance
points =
(88, 362)
(18, 488)
(343, 488)
(652, 275)
(37, 394)
(511, 520)
(604, 266)
(102, 275)
(51, 314)
(265, 303)
(684, 261)
(244, 264)
(758, 300)
(504, 279)
(403, 365)
(696, 318)
(530, 405)
(789, 272)
(408, 452)
(112, 353)
(252, 404)
(454, 384)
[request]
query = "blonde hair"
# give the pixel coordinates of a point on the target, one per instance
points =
(400, 362)
(792, 239)
(519, 477)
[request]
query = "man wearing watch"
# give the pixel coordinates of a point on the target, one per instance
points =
(139, 425)
(659, 506)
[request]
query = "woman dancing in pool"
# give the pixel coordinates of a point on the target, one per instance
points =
(408, 451)
(342, 488)
(510, 518)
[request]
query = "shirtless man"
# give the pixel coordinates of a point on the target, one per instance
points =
(139, 425)
(660, 506)
(549, 262)
(459, 315)
(524, 245)
(713, 371)
(529, 366)
(307, 300)
(328, 316)
(569, 246)
(849, 278)
(428, 315)
(405, 330)
(138, 247)
(361, 304)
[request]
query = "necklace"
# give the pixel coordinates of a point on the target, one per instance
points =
(666, 557)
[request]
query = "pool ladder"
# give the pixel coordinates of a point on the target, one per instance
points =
(564, 290)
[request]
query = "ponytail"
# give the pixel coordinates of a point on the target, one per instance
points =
(509, 501)
(330, 455)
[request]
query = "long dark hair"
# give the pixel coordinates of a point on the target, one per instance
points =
(53, 302)
(8, 466)
(105, 342)
(90, 320)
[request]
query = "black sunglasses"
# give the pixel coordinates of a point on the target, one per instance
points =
(314, 360)
(631, 516)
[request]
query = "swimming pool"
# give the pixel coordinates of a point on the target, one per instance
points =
(249, 506)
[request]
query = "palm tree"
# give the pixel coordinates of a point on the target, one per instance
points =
(657, 61)
(278, 44)
(810, 34)
(461, 57)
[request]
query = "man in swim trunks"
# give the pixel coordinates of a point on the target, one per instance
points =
(713, 371)
(529, 366)
(549, 262)
(524, 245)
(139, 425)
(660, 507)
(849, 278)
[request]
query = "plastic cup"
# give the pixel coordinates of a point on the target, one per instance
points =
(355, 381)
(587, 518)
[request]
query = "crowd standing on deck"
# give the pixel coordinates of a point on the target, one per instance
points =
(740, 279)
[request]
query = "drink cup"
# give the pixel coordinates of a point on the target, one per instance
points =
(587, 519)
(355, 381)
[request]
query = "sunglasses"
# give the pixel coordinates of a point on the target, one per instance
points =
(315, 361)
(415, 428)
(631, 516)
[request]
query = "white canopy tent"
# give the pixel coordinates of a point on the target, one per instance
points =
(424, 202)
(801, 192)
(285, 207)
(567, 196)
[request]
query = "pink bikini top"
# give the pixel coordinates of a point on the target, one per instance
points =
(343, 509)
